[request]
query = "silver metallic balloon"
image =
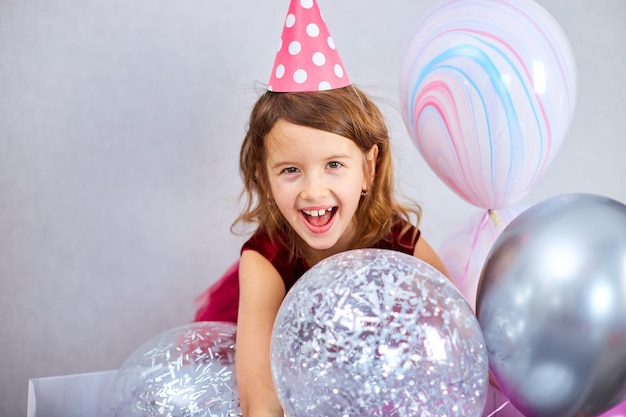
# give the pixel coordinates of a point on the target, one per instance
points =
(375, 332)
(552, 306)
(187, 371)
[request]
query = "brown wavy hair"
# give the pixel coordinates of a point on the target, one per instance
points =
(347, 112)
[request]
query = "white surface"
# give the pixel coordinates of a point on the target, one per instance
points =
(85, 395)
(79, 395)
(120, 126)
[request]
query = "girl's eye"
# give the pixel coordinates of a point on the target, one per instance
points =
(334, 164)
(290, 170)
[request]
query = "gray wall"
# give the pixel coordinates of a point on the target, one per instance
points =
(120, 123)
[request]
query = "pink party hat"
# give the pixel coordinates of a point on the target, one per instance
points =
(307, 59)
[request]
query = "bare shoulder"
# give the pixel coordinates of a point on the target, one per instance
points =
(426, 253)
(258, 279)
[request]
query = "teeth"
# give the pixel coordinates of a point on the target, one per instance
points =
(314, 213)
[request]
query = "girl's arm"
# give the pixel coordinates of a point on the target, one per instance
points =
(261, 293)
(427, 254)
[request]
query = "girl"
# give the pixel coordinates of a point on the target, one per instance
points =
(318, 179)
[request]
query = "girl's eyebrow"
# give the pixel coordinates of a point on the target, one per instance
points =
(340, 156)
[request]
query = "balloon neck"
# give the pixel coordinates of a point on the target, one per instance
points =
(495, 217)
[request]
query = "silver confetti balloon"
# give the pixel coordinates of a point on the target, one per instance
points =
(375, 332)
(187, 371)
(552, 306)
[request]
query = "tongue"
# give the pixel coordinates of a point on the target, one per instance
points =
(320, 220)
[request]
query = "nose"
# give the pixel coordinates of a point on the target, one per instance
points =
(314, 187)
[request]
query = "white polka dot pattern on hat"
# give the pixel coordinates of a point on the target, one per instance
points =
(312, 30)
(280, 71)
(295, 48)
(307, 59)
(319, 59)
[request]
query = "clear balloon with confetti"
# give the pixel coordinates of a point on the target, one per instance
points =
(374, 332)
(187, 371)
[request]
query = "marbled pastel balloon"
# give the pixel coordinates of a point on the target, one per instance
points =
(375, 332)
(488, 90)
(465, 250)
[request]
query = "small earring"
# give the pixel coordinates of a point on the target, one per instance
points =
(363, 193)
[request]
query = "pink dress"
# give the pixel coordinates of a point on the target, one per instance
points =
(221, 301)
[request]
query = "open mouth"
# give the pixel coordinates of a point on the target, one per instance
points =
(319, 218)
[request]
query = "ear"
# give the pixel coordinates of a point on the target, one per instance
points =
(370, 164)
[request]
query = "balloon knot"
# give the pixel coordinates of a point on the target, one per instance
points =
(495, 217)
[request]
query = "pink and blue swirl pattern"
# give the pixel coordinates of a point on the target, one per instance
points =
(488, 91)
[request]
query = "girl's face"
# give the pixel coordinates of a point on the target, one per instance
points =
(316, 179)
